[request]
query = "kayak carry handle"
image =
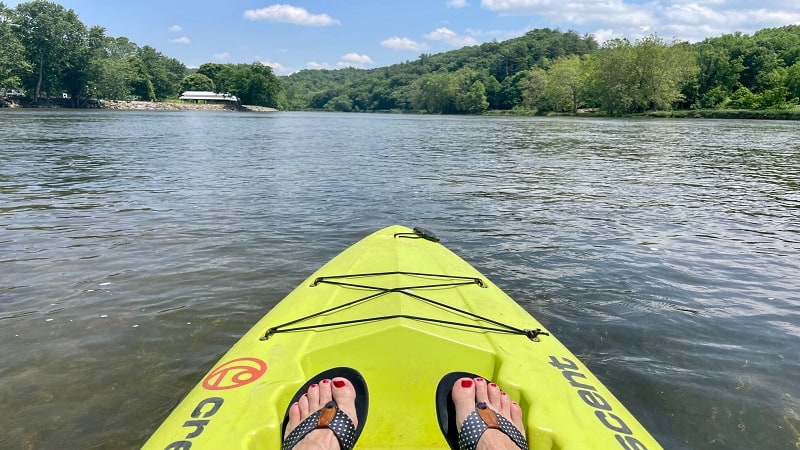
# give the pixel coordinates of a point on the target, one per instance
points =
(534, 334)
(419, 233)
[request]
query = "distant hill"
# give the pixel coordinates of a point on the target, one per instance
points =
(387, 88)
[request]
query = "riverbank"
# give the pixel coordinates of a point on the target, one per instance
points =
(767, 114)
(120, 105)
(170, 106)
(744, 114)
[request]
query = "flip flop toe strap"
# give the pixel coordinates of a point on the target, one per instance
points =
(480, 420)
(330, 417)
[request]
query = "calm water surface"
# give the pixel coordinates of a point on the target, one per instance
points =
(136, 247)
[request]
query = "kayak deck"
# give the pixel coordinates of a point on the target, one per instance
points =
(403, 311)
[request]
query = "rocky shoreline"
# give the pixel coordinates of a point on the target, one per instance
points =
(165, 106)
(121, 105)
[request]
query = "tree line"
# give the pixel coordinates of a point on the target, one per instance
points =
(46, 51)
(549, 70)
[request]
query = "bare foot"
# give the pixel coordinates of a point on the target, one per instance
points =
(318, 395)
(468, 391)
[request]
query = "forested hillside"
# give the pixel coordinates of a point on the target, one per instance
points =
(46, 52)
(550, 70)
(467, 80)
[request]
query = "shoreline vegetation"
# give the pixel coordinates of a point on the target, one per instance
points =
(121, 105)
(136, 105)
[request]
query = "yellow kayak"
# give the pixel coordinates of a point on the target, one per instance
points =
(404, 312)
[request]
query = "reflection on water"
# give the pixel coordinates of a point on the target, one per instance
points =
(136, 247)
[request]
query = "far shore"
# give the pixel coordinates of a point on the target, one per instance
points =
(122, 105)
(170, 106)
(137, 105)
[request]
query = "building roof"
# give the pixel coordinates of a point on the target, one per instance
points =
(207, 95)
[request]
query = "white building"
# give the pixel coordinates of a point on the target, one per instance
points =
(208, 97)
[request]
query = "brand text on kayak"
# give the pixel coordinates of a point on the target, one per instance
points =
(200, 418)
(603, 410)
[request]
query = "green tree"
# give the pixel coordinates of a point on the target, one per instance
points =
(164, 73)
(53, 38)
(645, 76)
(666, 69)
(793, 80)
(114, 80)
(434, 93)
(140, 82)
(83, 65)
(469, 92)
(116, 70)
(743, 98)
(253, 84)
(196, 82)
(567, 84)
(339, 103)
(121, 47)
(613, 83)
(533, 86)
(715, 98)
(511, 90)
(214, 72)
(12, 63)
(718, 73)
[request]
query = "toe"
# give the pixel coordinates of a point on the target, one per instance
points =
(343, 392)
(481, 390)
(493, 393)
(463, 394)
(294, 418)
(325, 394)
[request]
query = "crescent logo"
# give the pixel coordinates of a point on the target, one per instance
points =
(235, 373)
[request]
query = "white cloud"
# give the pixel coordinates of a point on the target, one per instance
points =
(290, 14)
(450, 37)
(690, 20)
(181, 40)
(456, 3)
(175, 29)
(398, 43)
(602, 36)
(221, 56)
(278, 68)
(348, 60)
(318, 66)
(504, 5)
(355, 60)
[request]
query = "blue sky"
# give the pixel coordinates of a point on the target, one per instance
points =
(291, 35)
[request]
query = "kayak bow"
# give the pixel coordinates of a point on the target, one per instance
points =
(403, 311)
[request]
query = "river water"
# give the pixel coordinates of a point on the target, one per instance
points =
(136, 247)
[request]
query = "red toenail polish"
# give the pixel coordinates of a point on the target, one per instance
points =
(325, 381)
(466, 383)
(493, 385)
(503, 393)
(339, 383)
(478, 379)
(313, 386)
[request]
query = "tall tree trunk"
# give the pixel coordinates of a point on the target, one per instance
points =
(39, 81)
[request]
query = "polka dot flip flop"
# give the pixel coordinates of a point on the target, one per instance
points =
(476, 423)
(330, 416)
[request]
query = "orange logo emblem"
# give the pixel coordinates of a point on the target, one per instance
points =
(235, 373)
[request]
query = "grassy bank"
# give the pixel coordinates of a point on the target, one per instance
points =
(770, 114)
